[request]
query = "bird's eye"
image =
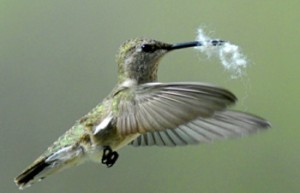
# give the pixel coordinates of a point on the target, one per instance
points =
(148, 48)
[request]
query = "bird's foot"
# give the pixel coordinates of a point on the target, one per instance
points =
(109, 156)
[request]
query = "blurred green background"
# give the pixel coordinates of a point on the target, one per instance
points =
(57, 62)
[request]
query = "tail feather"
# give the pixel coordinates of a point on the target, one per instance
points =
(45, 166)
(28, 175)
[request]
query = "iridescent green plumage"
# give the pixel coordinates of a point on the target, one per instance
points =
(72, 136)
(142, 112)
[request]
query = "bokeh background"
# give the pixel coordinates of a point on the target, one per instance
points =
(57, 62)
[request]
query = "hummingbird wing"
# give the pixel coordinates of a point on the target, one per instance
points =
(161, 106)
(223, 125)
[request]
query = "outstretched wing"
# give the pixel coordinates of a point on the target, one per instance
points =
(160, 106)
(224, 124)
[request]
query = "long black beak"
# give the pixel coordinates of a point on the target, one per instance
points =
(195, 44)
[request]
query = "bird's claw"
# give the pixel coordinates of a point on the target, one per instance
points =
(109, 156)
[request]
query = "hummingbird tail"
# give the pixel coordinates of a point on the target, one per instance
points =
(45, 166)
(29, 174)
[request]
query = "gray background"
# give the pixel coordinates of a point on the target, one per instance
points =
(57, 62)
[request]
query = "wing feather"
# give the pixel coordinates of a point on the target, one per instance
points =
(159, 106)
(222, 125)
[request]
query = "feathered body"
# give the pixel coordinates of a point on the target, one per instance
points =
(143, 112)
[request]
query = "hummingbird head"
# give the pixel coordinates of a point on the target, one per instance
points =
(138, 58)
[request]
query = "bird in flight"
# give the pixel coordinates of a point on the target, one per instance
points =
(140, 111)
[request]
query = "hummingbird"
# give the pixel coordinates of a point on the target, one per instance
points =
(140, 111)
